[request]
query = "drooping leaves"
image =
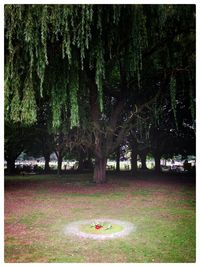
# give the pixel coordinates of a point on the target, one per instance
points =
(81, 38)
(73, 90)
(100, 74)
(173, 97)
(191, 96)
(15, 107)
(28, 104)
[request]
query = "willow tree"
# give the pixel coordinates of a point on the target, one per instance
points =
(90, 62)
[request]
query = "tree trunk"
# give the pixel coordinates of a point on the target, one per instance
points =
(11, 166)
(118, 160)
(59, 165)
(81, 160)
(80, 164)
(90, 163)
(157, 163)
(47, 159)
(133, 160)
(100, 170)
(143, 161)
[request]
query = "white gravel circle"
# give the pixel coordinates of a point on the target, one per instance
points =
(74, 229)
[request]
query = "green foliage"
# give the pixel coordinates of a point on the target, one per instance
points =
(7, 98)
(59, 100)
(173, 97)
(139, 37)
(66, 44)
(100, 74)
(56, 110)
(192, 105)
(12, 100)
(29, 106)
(49, 48)
(191, 96)
(6, 101)
(15, 107)
(73, 89)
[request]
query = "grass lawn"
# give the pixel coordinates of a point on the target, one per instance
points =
(37, 208)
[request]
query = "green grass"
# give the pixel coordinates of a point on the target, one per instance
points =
(31, 218)
(78, 195)
(115, 195)
(36, 212)
(144, 192)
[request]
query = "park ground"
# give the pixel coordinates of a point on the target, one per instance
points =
(37, 208)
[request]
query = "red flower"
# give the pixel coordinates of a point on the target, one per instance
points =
(97, 226)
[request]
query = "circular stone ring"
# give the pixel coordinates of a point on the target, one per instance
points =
(74, 229)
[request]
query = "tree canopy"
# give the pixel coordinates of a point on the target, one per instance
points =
(105, 68)
(47, 46)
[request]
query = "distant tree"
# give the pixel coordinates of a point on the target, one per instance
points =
(169, 137)
(16, 139)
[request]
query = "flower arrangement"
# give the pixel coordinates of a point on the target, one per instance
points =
(98, 226)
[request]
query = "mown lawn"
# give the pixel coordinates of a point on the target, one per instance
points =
(37, 208)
